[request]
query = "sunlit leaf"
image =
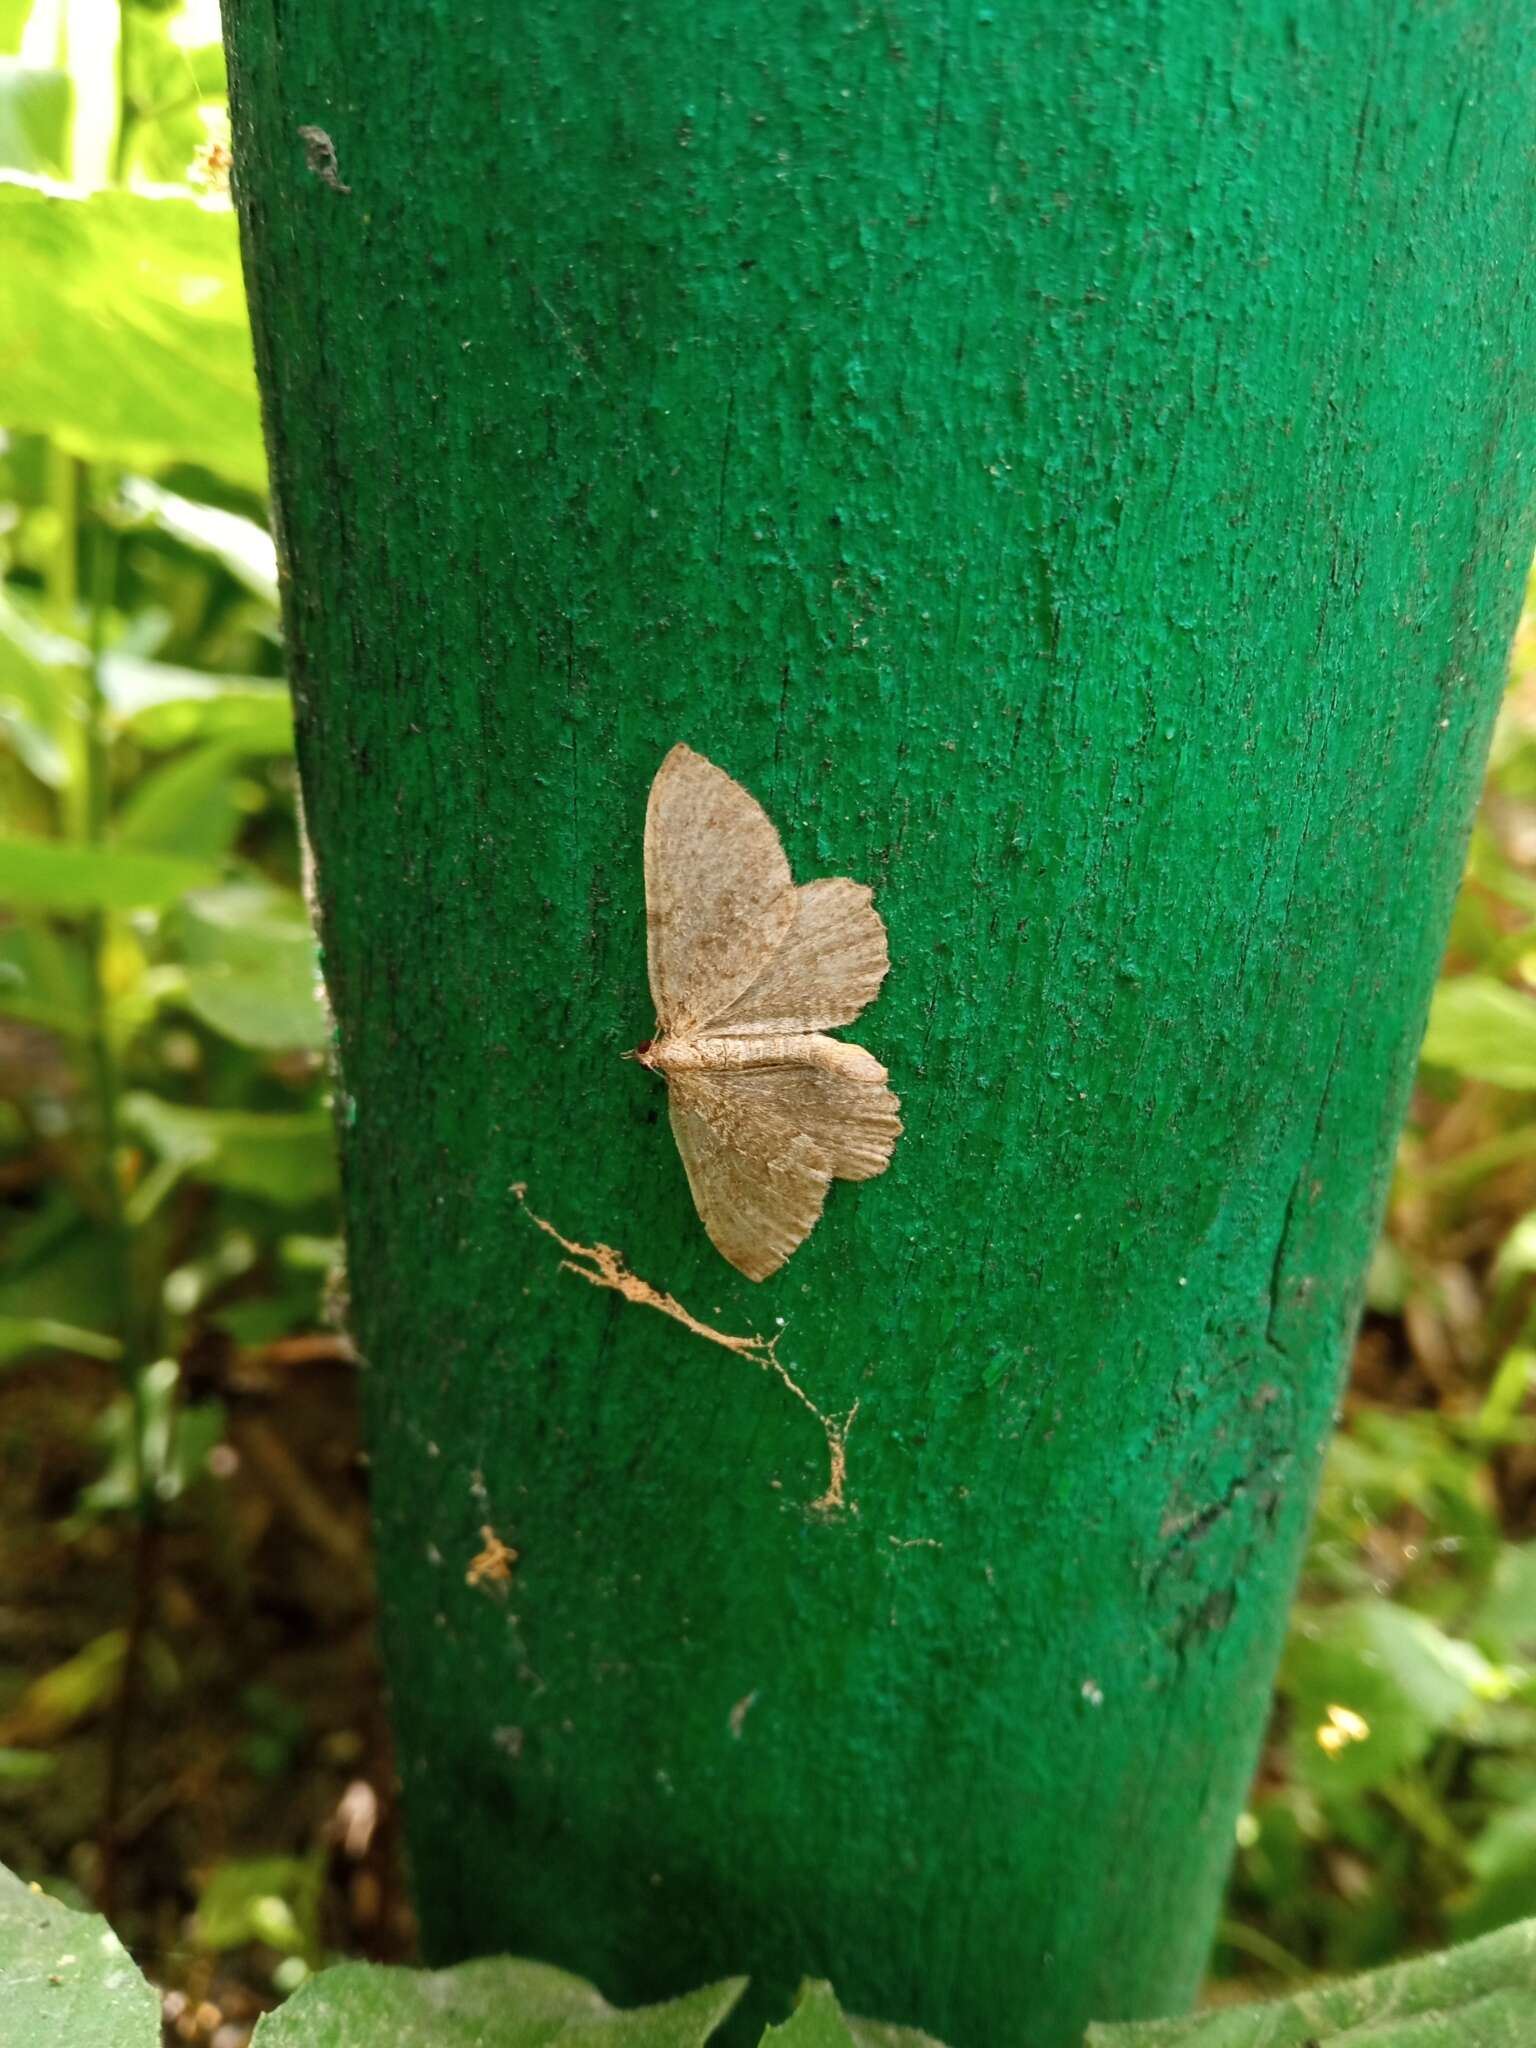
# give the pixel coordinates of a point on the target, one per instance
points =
(35, 103)
(166, 706)
(245, 549)
(124, 325)
(1483, 1030)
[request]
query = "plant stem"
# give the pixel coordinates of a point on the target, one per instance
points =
(106, 1081)
(101, 1052)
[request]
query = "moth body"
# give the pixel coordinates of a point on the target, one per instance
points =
(720, 1054)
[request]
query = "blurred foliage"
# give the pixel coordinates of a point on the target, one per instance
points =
(1396, 1804)
(171, 1250)
(65, 1970)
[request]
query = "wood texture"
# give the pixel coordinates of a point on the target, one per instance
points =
(1072, 463)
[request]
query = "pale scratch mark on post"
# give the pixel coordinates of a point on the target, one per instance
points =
(492, 1566)
(606, 1267)
(320, 157)
(738, 1714)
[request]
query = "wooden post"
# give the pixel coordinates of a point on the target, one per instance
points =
(1071, 464)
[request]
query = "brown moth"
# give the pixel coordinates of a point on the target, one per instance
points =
(747, 971)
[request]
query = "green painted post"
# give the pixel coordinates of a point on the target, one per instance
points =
(1071, 463)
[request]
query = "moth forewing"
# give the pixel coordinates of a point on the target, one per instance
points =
(746, 972)
(718, 893)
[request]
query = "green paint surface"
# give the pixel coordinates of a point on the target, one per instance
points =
(1069, 462)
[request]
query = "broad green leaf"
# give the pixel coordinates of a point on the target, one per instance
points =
(125, 327)
(252, 969)
(1479, 1996)
(1483, 1030)
(35, 106)
(496, 2003)
(57, 875)
(13, 21)
(185, 806)
(284, 1156)
(66, 1978)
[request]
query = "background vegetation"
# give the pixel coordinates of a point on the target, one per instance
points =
(190, 1724)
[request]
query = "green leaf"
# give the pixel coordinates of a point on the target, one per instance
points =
(155, 1441)
(185, 806)
(20, 1336)
(1483, 1030)
(26, 1766)
(71, 1692)
(495, 2003)
(39, 697)
(1370, 1685)
(252, 969)
(165, 706)
(1503, 1861)
(49, 874)
(245, 549)
(272, 1899)
(1505, 1622)
(44, 977)
(1480, 1996)
(284, 1157)
(165, 81)
(13, 22)
(35, 106)
(65, 1977)
(125, 325)
(818, 2021)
